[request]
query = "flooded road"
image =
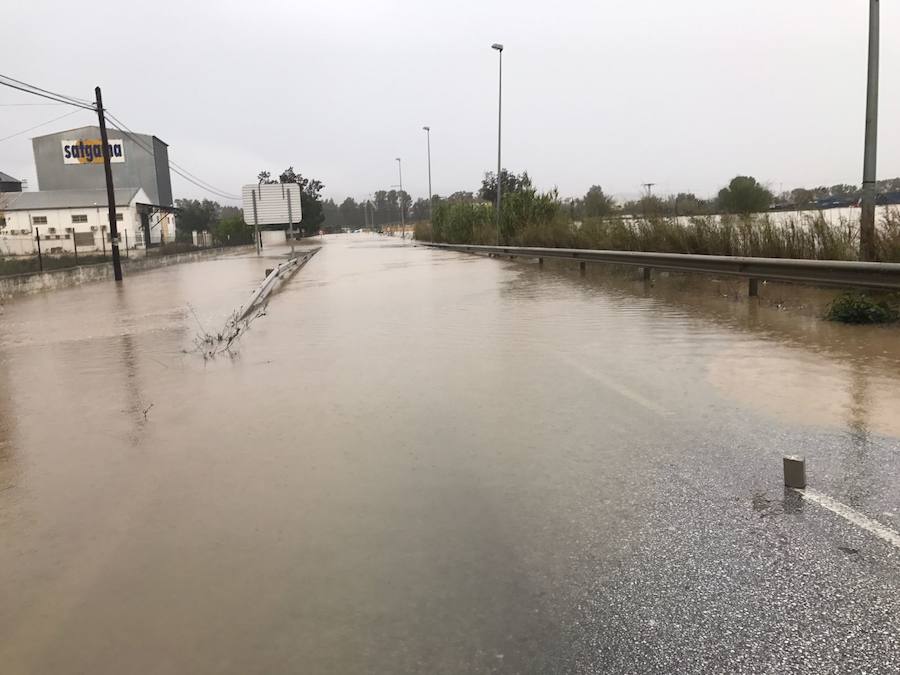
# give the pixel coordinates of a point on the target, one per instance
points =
(424, 461)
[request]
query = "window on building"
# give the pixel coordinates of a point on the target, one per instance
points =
(120, 217)
(79, 218)
(2, 222)
(38, 220)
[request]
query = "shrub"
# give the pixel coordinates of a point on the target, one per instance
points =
(856, 307)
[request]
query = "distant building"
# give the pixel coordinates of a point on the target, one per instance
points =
(9, 184)
(66, 218)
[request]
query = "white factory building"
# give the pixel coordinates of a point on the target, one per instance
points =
(66, 219)
(70, 208)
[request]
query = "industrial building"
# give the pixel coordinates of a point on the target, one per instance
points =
(70, 207)
(70, 220)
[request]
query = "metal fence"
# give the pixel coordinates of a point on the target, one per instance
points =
(885, 276)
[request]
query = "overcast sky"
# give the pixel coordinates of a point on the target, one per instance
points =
(612, 92)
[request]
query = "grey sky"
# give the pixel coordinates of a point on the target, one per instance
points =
(685, 94)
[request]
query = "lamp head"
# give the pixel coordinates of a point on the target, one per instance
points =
(497, 46)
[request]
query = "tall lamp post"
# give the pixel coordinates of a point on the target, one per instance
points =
(402, 218)
(867, 248)
(430, 195)
(499, 49)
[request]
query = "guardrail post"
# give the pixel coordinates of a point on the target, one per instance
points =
(582, 266)
(647, 273)
(754, 288)
(541, 262)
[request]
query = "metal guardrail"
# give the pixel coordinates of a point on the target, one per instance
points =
(262, 293)
(884, 276)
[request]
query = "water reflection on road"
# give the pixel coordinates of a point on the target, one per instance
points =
(417, 461)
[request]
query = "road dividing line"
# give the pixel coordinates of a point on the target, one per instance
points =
(612, 383)
(845, 512)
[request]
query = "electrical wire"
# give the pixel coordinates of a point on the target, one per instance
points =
(42, 124)
(74, 100)
(116, 123)
(52, 98)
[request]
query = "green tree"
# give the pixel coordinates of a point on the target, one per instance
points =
(232, 231)
(597, 204)
(195, 215)
(744, 195)
(310, 199)
(509, 183)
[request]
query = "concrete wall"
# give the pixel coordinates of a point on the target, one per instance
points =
(25, 284)
(138, 170)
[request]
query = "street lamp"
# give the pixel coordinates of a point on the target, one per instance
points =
(499, 49)
(867, 248)
(402, 219)
(430, 195)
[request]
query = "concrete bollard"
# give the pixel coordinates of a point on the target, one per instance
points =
(795, 472)
(754, 288)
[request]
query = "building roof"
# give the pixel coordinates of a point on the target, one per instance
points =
(6, 178)
(65, 199)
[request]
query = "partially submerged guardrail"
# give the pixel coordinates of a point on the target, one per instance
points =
(278, 272)
(882, 276)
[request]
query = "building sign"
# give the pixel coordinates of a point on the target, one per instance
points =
(91, 151)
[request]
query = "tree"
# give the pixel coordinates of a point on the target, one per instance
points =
(351, 213)
(421, 210)
(802, 198)
(310, 196)
(597, 204)
(744, 195)
(461, 196)
(196, 216)
(688, 204)
(233, 231)
(509, 182)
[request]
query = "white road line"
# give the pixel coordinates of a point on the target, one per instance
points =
(858, 519)
(612, 383)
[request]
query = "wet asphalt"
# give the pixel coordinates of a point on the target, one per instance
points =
(422, 461)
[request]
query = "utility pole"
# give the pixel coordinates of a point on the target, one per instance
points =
(110, 192)
(649, 194)
(430, 195)
(499, 48)
(867, 248)
(400, 200)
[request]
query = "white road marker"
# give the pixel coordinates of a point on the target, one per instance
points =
(612, 383)
(845, 512)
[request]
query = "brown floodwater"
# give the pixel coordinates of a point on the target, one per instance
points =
(399, 468)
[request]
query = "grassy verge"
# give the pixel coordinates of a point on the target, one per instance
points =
(531, 219)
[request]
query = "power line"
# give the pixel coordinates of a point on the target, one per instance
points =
(74, 100)
(25, 131)
(200, 184)
(52, 98)
(11, 105)
(181, 171)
